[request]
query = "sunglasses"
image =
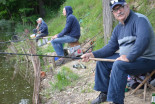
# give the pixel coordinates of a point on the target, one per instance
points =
(116, 9)
(115, 1)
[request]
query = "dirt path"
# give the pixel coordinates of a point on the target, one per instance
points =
(81, 92)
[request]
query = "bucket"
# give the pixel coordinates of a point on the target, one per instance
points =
(56, 58)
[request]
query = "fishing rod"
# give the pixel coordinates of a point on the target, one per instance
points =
(5, 42)
(5, 53)
(15, 41)
(47, 55)
(95, 59)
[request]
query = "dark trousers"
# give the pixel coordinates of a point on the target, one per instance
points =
(38, 35)
(111, 77)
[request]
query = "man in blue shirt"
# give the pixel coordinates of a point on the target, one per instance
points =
(135, 40)
(71, 33)
(41, 29)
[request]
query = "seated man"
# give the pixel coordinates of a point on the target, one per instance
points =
(135, 39)
(41, 29)
(71, 33)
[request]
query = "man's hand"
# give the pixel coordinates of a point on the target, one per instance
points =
(122, 58)
(53, 37)
(85, 57)
(39, 32)
(37, 27)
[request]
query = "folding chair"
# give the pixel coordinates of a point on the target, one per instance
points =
(145, 83)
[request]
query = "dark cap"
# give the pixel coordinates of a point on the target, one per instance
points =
(113, 3)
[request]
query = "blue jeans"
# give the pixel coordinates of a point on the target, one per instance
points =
(111, 77)
(58, 44)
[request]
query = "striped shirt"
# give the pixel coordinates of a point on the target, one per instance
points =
(134, 39)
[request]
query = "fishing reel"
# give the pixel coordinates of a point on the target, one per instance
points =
(79, 65)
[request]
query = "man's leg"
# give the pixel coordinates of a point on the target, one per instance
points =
(35, 31)
(58, 42)
(102, 76)
(118, 78)
(40, 35)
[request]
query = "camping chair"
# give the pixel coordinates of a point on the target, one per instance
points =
(145, 83)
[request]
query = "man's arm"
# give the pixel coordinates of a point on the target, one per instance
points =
(43, 27)
(106, 51)
(109, 49)
(143, 32)
(38, 25)
(67, 27)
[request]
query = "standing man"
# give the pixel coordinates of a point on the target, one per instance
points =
(135, 39)
(41, 29)
(71, 33)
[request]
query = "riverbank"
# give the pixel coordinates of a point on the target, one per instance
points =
(81, 92)
(90, 18)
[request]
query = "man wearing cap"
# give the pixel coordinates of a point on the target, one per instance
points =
(135, 40)
(71, 33)
(41, 29)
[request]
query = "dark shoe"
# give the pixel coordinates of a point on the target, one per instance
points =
(100, 99)
(60, 62)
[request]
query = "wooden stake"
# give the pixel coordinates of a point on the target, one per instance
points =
(53, 62)
(145, 88)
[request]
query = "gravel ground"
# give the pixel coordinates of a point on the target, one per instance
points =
(81, 92)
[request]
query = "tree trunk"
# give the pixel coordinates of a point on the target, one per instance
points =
(41, 8)
(107, 20)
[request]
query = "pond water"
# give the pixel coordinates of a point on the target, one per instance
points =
(16, 91)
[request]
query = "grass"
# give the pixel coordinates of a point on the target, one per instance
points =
(89, 14)
(46, 93)
(151, 16)
(149, 12)
(63, 79)
(88, 89)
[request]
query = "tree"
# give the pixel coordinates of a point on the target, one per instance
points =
(107, 20)
(42, 12)
(26, 10)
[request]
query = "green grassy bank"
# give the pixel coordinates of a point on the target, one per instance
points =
(89, 14)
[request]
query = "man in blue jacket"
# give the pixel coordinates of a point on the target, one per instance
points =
(41, 29)
(71, 33)
(135, 40)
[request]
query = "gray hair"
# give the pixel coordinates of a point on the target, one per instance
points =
(39, 19)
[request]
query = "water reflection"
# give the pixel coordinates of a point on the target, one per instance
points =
(24, 101)
(16, 91)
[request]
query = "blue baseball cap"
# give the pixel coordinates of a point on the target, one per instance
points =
(113, 3)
